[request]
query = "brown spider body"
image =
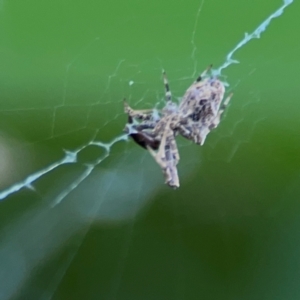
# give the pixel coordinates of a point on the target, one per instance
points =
(198, 113)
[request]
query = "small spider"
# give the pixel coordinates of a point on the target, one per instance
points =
(196, 115)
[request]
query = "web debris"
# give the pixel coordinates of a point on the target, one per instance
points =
(248, 37)
(71, 156)
(194, 48)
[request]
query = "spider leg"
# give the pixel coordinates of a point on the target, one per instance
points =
(203, 73)
(174, 149)
(189, 132)
(145, 125)
(172, 159)
(144, 114)
(221, 110)
(195, 133)
(138, 127)
(167, 87)
(167, 158)
(142, 138)
(145, 140)
(185, 131)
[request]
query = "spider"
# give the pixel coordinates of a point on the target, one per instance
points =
(198, 112)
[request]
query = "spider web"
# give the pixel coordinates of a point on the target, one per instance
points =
(90, 172)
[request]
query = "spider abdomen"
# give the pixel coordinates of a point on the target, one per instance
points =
(208, 92)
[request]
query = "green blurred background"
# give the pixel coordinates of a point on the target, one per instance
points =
(232, 230)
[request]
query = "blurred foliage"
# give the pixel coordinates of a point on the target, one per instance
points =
(232, 229)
